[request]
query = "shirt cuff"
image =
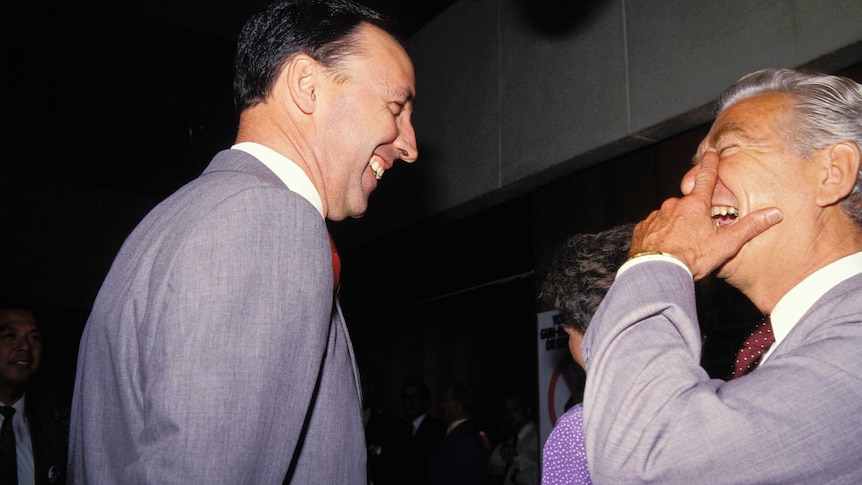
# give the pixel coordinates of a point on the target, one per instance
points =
(652, 256)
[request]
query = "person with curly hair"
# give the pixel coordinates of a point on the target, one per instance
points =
(582, 270)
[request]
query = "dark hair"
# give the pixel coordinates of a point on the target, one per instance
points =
(424, 392)
(463, 393)
(323, 29)
(582, 270)
(27, 310)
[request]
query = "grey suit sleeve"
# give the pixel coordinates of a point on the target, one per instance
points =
(653, 415)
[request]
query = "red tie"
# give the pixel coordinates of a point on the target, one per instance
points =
(336, 264)
(753, 348)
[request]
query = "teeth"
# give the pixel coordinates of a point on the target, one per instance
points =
(376, 168)
(724, 211)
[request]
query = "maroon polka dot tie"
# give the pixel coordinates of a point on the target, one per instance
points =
(753, 348)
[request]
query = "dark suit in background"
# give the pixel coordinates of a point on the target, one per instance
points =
(391, 457)
(461, 459)
(427, 431)
(48, 417)
(428, 436)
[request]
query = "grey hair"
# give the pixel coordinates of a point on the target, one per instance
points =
(827, 109)
(582, 270)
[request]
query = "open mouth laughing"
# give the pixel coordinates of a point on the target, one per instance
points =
(376, 167)
(724, 215)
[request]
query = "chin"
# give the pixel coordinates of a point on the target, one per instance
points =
(358, 210)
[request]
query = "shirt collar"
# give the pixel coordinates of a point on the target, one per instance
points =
(802, 297)
(418, 422)
(19, 405)
(526, 429)
(286, 170)
(454, 424)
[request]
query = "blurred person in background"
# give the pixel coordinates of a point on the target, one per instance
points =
(38, 417)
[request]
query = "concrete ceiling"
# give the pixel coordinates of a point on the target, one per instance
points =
(224, 17)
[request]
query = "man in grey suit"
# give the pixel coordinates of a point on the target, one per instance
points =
(773, 203)
(216, 351)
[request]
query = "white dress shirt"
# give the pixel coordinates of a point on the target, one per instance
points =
(286, 169)
(798, 300)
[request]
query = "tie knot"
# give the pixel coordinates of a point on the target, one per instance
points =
(7, 411)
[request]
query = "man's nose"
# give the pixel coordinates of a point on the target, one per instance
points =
(686, 185)
(22, 343)
(406, 142)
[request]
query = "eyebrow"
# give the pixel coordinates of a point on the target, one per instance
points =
(729, 128)
(406, 94)
(11, 326)
(725, 129)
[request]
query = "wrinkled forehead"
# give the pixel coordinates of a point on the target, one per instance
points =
(749, 120)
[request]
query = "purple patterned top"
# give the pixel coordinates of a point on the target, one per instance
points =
(564, 457)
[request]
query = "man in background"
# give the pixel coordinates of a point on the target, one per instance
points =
(427, 431)
(37, 418)
(462, 457)
(391, 458)
(515, 459)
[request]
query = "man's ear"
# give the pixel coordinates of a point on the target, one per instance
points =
(300, 76)
(842, 169)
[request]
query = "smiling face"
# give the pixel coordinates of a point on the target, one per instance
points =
(758, 169)
(20, 352)
(365, 111)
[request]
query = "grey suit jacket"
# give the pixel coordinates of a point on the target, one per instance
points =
(653, 415)
(216, 352)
